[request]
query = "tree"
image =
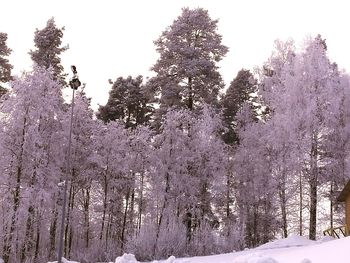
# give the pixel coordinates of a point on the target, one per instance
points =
(48, 43)
(187, 71)
(82, 174)
(274, 92)
(32, 136)
(254, 186)
(5, 66)
(301, 93)
(316, 83)
(240, 91)
(127, 102)
(187, 175)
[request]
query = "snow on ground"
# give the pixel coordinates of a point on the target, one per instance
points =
(292, 241)
(63, 261)
(294, 249)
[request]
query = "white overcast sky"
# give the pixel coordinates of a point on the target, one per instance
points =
(108, 39)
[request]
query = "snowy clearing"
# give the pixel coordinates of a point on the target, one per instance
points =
(294, 249)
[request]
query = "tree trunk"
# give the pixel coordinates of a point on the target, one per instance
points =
(190, 94)
(300, 205)
(255, 226)
(37, 239)
(86, 215)
(108, 230)
(331, 204)
(28, 237)
(66, 231)
(104, 206)
(140, 204)
(71, 229)
(282, 194)
(125, 217)
(313, 181)
(165, 202)
(53, 228)
(228, 197)
(16, 197)
(132, 205)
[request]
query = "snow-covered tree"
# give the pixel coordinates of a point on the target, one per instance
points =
(81, 177)
(48, 44)
(188, 172)
(32, 155)
(302, 94)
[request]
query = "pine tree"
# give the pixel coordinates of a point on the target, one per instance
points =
(241, 90)
(187, 71)
(128, 102)
(48, 43)
(5, 66)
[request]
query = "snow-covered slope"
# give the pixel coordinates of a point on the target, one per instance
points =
(294, 249)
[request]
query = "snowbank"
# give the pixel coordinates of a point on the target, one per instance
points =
(130, 258)
(294, 249)
(254, 258)
(63, 261)
(171, 259)
(292, 241)
(126, 258)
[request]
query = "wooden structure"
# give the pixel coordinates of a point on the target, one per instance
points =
(340, 231)
(344, 196)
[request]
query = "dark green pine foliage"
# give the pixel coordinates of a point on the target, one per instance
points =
(241, 90)
(5, 66)
(48, 44)
(128, 102)
(187, 73)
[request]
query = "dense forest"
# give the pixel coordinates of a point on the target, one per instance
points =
(177, 164)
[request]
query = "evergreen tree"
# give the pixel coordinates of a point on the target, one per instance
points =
(187, 71)
(127, 102)
(5, 66)
(48, 43)
(241, 90)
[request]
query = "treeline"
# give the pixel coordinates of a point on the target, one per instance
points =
(175, 165)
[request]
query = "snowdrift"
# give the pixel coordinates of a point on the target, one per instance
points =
(294, 249)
